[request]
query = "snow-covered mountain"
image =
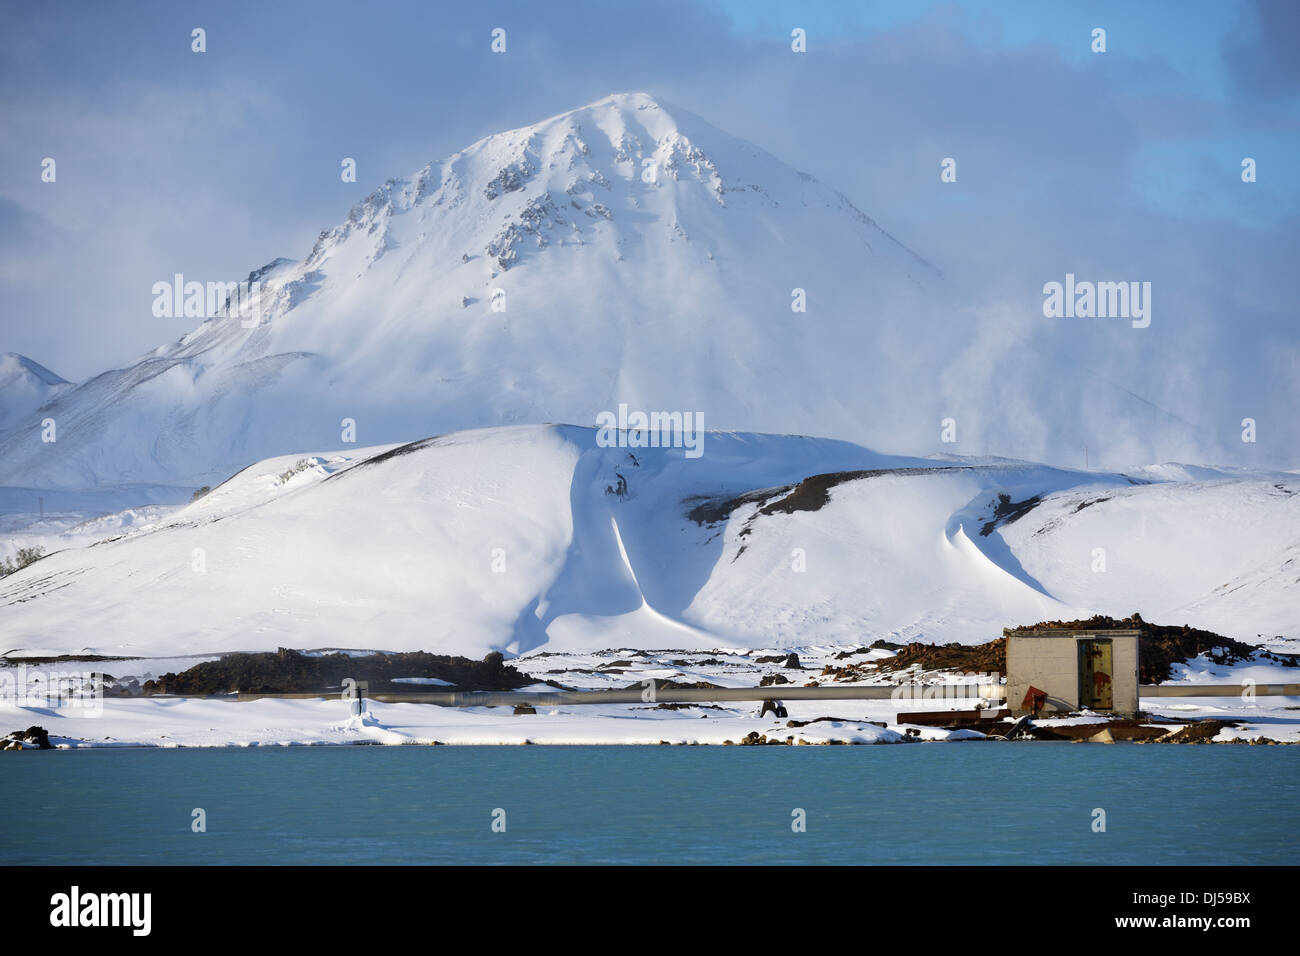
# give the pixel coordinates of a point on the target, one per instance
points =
(25, 386)
(526, 537)
(626, 253)
(623, 252)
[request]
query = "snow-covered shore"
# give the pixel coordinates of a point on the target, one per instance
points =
(172, 722)
(227, 722)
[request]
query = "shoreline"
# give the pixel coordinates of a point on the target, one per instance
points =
(177, 723)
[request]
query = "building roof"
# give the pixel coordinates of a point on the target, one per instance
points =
(1070, 632)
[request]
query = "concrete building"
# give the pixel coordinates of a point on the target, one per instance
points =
(1067, 670)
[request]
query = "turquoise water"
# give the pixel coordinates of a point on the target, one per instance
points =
(939, 803)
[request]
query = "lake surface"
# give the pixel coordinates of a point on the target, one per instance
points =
(975, 803)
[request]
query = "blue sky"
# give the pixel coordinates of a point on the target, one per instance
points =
(212, 164)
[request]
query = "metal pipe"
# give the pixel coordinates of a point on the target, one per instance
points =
(1218, 690)
(645, 694)
(649, 693)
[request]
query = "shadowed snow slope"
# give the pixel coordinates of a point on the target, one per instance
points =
(519, 537)
(623, 252)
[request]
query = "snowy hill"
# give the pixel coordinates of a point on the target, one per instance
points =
(526, 537)
(641, 256)
(25, 386)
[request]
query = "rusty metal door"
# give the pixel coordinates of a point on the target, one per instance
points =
(1095, 671)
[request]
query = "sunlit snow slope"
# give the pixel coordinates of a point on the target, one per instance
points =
(516, 538)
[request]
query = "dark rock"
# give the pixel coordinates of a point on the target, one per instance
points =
(287, 671)
(32, 735)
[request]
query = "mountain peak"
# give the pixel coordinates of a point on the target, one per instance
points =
(626, 100)
(639, 107)
(25, 387)
(13, 365)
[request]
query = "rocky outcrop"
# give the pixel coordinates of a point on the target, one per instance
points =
(33, 738)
